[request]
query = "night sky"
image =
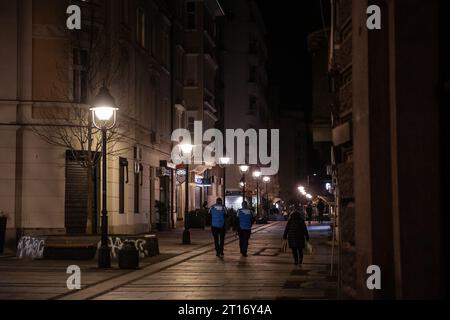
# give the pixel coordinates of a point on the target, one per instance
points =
(288, 24)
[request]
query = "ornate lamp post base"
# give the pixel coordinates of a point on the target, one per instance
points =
(104, 258)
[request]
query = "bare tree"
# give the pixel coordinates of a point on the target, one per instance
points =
(95, 51)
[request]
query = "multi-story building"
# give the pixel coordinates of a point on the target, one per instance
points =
(246, 84)
(386, 151)
(157, 59)
(322, 101)
(201, 90)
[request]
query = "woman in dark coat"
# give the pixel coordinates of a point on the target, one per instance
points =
(296, 233)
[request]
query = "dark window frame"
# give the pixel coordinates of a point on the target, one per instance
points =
(191, 15)
(80, 75)
(123, 171)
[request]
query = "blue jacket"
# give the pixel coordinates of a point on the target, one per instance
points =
(218, 213)
(245, 219)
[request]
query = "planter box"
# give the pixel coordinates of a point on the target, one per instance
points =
(70, 252)
(82, 247)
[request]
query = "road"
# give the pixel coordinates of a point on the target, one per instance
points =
(186, 272)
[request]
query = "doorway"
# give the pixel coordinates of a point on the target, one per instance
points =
(76, 195)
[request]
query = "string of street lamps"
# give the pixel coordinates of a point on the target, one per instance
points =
(302, 190)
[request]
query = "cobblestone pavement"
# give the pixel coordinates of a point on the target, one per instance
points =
(186, 272)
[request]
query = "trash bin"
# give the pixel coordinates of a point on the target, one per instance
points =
(3, 220)
(128, 256)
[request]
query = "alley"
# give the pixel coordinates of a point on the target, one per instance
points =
(188, 272)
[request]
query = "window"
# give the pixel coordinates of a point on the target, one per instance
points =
(252, 74)
(253, 44)
(253, 105)
(251, 16)
(179, 65)
(191, 70)
(166, 51)
(140, 28)
(190, 16)
(125, 13)
(138, 177)
(80, 77)
(190, 124)
(166, 119)
(153, 39)
(123, 179)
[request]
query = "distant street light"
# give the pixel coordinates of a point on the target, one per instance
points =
(266, 182)
(104, 117)
(243, 169)
(223, 163)
(257, 175)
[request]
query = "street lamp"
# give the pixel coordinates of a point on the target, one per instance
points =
(257, 176)
(186, 150)
(266, 181)
(104, 117)
(243, 169)
(223, 163)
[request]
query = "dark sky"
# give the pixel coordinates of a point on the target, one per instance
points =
(288, 24)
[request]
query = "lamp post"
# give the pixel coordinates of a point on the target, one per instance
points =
(186, 149)
(243, 169)
(266, 181)
(104, 117)
(257, 176)
(223, 163)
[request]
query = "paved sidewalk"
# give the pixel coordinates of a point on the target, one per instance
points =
(185, 272)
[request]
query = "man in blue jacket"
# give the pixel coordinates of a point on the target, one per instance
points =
(218, 214)
(245, 218)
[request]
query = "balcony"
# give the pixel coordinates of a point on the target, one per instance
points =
(210, 106)
(344, 11)
(344, 53)
(345, 98)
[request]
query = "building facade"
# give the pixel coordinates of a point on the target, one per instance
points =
(201, 90)
(246, 85)
(386, 147)
(322, 101)
(142, 51)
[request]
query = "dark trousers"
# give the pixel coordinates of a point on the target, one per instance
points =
(219, 238)
(298, 254)
(244, 236)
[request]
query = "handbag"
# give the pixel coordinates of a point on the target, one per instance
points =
(284, 246)
(308, 248)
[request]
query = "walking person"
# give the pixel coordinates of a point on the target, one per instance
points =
(309, 212)
(245, 219)
(296, 233)
(218, 214)
(320, 210)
